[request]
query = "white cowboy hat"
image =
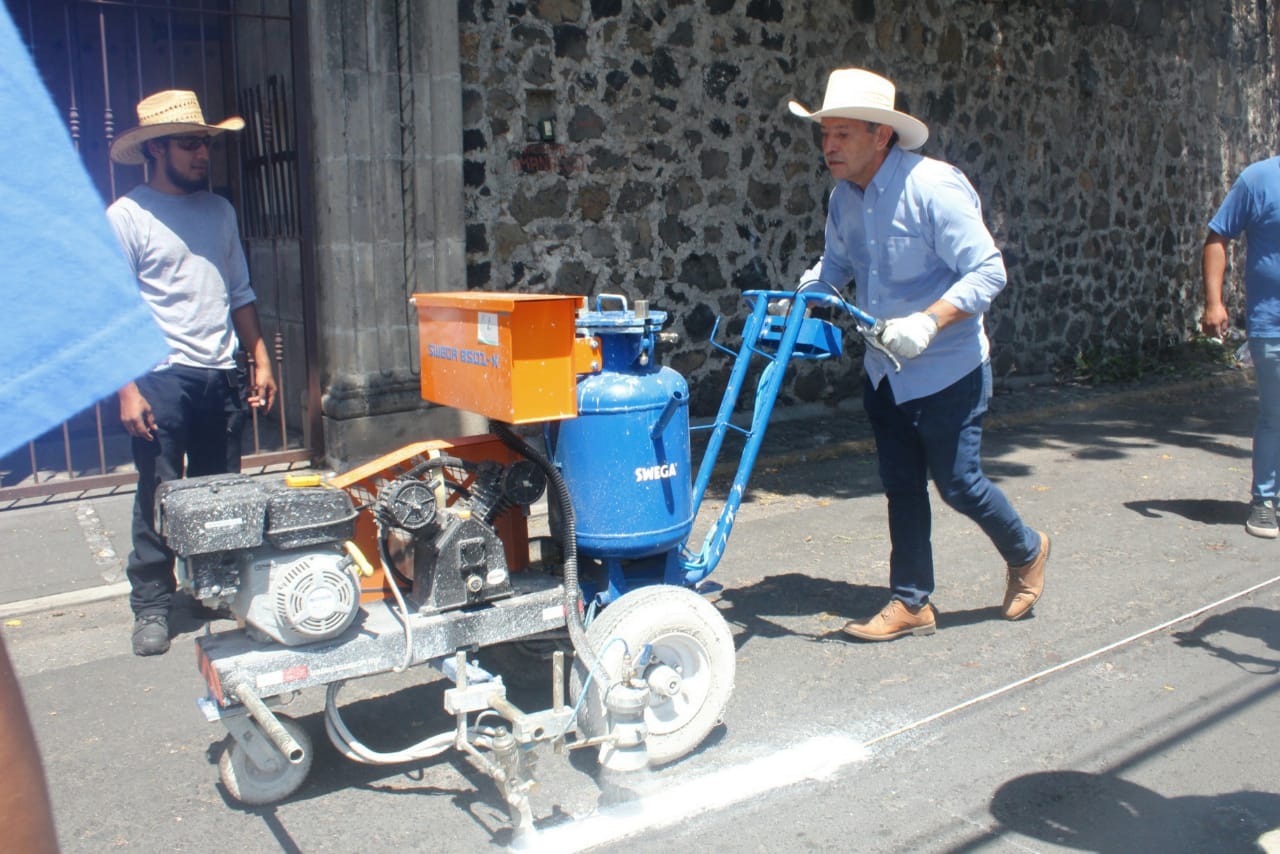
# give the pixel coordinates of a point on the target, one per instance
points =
(855, 93)
(167, 113)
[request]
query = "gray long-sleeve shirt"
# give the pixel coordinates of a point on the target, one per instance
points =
(186, 252)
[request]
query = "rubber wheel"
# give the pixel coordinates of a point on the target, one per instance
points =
(688, 635)
(249, 784)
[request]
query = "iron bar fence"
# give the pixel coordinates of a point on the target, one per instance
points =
(98, 58)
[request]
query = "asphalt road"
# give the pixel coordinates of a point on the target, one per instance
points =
(1134, 711)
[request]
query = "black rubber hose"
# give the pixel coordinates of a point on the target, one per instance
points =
(569, 540)
(818, 285)
(434, 463)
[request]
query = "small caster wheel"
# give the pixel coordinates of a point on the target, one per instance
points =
(251, 785)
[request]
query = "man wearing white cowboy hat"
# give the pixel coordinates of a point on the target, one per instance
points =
(185, 416)
(908, 231)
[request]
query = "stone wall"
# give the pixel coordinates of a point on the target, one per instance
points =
(644, 148)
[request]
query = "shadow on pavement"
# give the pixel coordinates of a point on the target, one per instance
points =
(387, 723)
(1118, 437)
(794, 594)
(972, 616)
(1262, 624)
(1106, 813)
(1205, 511)
(1110, 815)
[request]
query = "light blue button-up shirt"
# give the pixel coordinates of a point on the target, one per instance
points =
(914, 236)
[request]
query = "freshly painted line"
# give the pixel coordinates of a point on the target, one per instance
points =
(816, 759)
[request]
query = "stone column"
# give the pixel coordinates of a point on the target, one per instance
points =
(385, 120)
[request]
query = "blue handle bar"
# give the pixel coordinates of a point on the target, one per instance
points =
(870, 328)
(693, 567)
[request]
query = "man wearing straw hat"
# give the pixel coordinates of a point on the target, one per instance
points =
(908, 231)
(184, 417)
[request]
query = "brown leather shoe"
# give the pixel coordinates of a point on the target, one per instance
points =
(894, 621)
(1026, 583)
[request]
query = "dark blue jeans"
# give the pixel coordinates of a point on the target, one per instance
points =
(200, 415)
(1266, 429)
(939, 436)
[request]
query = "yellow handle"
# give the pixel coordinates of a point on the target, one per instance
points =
(362, 563)
(297, 479)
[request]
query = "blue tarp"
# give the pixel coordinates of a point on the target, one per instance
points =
(73, 327)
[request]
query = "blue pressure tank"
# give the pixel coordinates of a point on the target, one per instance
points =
(625, 459)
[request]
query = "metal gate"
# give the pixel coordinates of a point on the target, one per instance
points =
(98, 58)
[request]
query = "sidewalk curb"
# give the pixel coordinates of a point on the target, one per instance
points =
(64, 600)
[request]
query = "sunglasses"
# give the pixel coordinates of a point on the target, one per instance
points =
(192, 143)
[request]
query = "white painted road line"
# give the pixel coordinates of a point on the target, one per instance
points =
(816, 759)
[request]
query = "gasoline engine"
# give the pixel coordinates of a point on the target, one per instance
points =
(269, 554)
(278, 558)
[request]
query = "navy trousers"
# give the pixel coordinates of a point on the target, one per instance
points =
(939, 436)
(200, 416)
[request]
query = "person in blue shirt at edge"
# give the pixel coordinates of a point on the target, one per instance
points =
(908, 231)
(1252, 207)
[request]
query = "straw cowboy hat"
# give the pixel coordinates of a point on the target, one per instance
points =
(167, 113)
(855, 93)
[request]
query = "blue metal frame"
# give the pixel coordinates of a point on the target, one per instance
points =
(778, 339)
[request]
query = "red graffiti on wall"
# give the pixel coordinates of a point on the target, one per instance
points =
(548, 157)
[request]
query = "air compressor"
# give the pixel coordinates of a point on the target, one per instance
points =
(423, 556)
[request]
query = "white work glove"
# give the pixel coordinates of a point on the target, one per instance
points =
(812, 274)
(909, 336)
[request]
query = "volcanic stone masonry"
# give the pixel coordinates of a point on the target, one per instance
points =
(643, 147)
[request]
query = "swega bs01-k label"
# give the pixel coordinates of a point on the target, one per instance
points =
(463, 355)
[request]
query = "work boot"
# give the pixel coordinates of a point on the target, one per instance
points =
(895, 620)
(1026, 583)
(1262, 520)
(151, 635)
